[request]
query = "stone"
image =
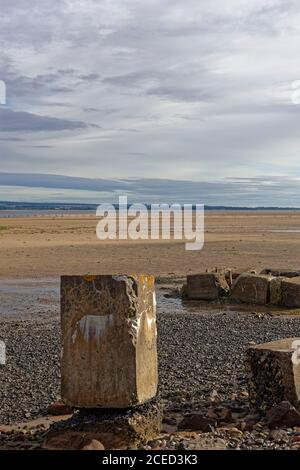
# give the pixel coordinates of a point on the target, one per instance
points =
(197, 422)
(251, 289)
(291, 292)
(109, 344)
(283, 415)
(279, 435)
(93, 445)
(206, 286)
(115, 429)
(273, 375)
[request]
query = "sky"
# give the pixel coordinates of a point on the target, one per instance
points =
(164, 99)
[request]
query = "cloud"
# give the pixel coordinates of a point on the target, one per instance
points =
(17, 121)
(258, 191)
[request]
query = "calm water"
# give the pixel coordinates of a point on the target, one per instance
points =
(38, 213)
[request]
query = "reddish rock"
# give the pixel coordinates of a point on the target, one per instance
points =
(58, 408)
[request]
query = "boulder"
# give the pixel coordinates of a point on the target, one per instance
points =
(206, 286)
(283, 415)
(109, 351)
(251, 289)
(273, 374)
(114, 429)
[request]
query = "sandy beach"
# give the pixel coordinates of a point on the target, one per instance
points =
(51, 246)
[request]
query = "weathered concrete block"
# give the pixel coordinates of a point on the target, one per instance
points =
(115, 429)
(206, 286)
(273, 375)
(109, 355)
(291, 292)
(251, 289)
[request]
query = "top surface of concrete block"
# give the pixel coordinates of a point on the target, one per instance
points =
(281, 345)
(109, 340)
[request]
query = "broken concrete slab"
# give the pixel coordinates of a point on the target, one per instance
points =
(206, 286)
(251, 289)
(115, 429)
(109, 356)
(273, 374)
(280, 272)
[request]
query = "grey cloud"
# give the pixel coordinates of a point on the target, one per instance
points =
(17, 121)
(257, 191)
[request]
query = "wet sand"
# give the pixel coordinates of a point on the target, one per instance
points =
(51, 246)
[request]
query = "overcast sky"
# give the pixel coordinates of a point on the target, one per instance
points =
(189, 91)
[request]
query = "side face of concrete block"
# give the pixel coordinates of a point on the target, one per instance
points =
(206, 286)
(251, 289)
(291, 292)
(109, 356)
(272, 375)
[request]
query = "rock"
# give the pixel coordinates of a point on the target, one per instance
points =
(109, 341)
(196, 422)
(220, 414)
(272, 375)
(201, 442)
(251, 289)
(58, 408)
(115, 429)
(93, 445)
(279, 435)
(234, 431)
(207, 286)
(283, 415)
(291, 292)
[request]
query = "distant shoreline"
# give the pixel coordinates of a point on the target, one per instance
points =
(64, 208)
